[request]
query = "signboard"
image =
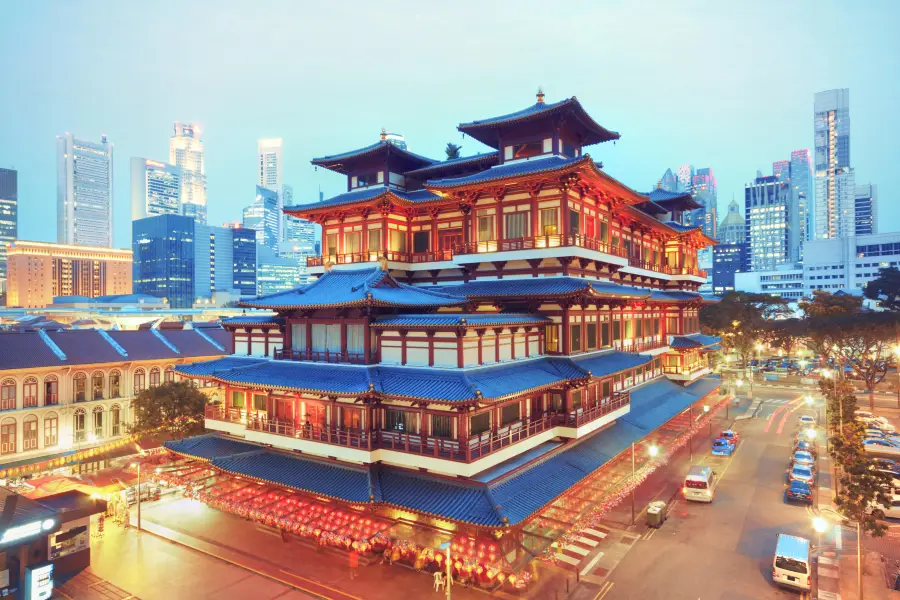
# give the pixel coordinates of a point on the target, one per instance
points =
(64, 543)
(39, 582)
(27, 530)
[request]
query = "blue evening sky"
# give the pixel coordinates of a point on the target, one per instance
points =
(723, 84)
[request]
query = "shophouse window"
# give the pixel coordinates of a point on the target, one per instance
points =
(51, 390)
(115, 385)
(80, 383)
(30, 392)
(51, 429)
(8, 394)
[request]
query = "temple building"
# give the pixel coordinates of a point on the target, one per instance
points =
(487, 337)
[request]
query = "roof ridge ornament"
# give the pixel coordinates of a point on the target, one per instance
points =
(328, 266)
(383, 263)
(540, 94)
(383, 134)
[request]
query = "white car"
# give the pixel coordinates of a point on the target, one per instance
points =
(891, 512)
(880, 446)
(807, 421)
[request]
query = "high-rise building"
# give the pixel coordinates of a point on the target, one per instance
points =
(186, 152)
(9, 218)
(801, 184)
(728, 259)
(84, 191)
(271, 170)
(277, 273)
(835, 186)
(732, 229)
(263, 216)
(866, 209)
(244, 257)
(40, 271)
(164, 258)
(770, 209)
(155, 188)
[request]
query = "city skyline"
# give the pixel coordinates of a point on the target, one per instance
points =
(721, 129)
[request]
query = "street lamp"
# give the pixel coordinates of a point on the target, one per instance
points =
(811, 433)
(446, 547)
(820, 525)
(706, 411)
(653, 451)
(138, 465)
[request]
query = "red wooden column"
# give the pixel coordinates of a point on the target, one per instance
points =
(309, 343)
(344, 339)
(540, 340)
(287, 339)
(403, 347)
(512, 342)
(480, 334)
(430, 335)
(527, 341)
(497, 333)
(535, 223)
(565, 329)
(460, 361)
(384, 235)
(367, 343)
(462, 433)
(564, 213)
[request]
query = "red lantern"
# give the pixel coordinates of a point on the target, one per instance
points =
(512, 580)
(501, 577)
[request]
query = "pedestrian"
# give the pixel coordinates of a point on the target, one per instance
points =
(353, 560)
(386, 558)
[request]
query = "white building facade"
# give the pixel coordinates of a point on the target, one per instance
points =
(835, 185)
(84, 191)
(155, 188)
(186, 152)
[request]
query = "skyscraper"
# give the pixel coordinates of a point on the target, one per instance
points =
(9, 218)
(835, 186)
(84, 191)
(155, 188)
(244, 257)
(186, 152)
(703, 187)
(801, 175)
(271, 173)
(865, 207)
(263, 216)
(770, 209)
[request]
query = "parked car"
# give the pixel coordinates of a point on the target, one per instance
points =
(801, 473)
(806, 445)
(886, 463)
(807, 421)
(798, 491)
(732, 435)
(880, 446)
(803, 458)
(722, 447)
(880, 511)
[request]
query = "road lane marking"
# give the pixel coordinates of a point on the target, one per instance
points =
(777, 411)
(604, 590)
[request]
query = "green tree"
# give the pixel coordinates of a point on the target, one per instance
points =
(740, 318)
(820, 312)
(861, 486)
(885, 289)
(785, 334)
(452, 150)
(173, 408)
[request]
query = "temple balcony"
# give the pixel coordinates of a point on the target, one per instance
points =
(464, 457)
(326, 356)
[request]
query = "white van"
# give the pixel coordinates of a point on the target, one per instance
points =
(791, 566)
(700, 484)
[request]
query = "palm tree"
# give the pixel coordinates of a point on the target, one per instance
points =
(452, 150)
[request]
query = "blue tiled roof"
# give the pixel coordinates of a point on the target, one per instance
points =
(651, 208)
(541, 286)
(210, 446)
(307, 474)
(526, 167)
(459, 320)
(660, 195)
(219, 365)
(251, 320)
(367, 194)
(510, 499)
(435, 384)
(455, 163)
(484, 130)
(334, 161)
(23, 350)
(301, 376)
(694, 340)
(681, 228)
(674, 295)
(358, 287)
(607, 363)
(506, 380)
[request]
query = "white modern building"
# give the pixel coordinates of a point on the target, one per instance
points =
(786, 282)
(277, 273)
(850, 263)
(186, 152)
(155, 188)
(263, 216)
(271, 172)
(84, 191)
(835, 186)
(771, 210)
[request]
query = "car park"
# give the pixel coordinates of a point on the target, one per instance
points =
(881, 446)
(798, 491)
(802, 473)
(722, 447)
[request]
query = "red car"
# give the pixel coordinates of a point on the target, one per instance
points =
(732, 435)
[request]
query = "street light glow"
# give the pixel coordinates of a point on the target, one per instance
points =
(820, 524)
(706, 408)
(811, 433)
(809, 400)
(654, 450)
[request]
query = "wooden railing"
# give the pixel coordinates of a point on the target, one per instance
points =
(323, 356)
(636, 261)
(577, 418)
(638, 346)
(420, 257)
(357, 257)
(684, 370)
(539, 242)
(685, 271)
(474, 448)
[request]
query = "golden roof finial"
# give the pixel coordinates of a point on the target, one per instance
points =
(659, 184)
(383, 134)
(540, 95)
(383, 263)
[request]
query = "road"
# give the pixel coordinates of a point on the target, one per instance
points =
(724, 549)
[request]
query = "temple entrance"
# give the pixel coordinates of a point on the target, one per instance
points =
(451, 238)
(315, 415)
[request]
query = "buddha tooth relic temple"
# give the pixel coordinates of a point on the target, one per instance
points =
(488, 340)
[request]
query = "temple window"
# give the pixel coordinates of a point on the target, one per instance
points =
(605, 388)
(421, 241)
(617, 331)
(374, 240)
(551, 338)
(326, 337)
(528, 149)
(352, 242)
(237, 399)
(397, 240)
(480, 423)
(259, 402)
(575, 338)
(574, 222)
(485, 226)
(629, 328)
(400, 420)
(509, 413)
(672, 325)
(591, 336)
(604, 334)
(397, 180)
(577, 396)
(549, 221)
(298, 337)
(441, 426)
(604, 231)
(356, 336)
(351, 418)
(517, 225)
(568, 150)
(366, 179)
(331, 244)
(556, 402)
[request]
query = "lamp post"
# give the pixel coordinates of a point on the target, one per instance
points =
(690, 432)
(138, 465)
(820, 525)
(897, 355)
(653, 451)
(706, 411)
(446, 546)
